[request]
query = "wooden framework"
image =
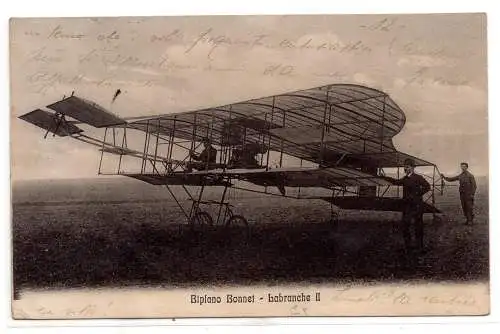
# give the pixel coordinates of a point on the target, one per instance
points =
(342, 133)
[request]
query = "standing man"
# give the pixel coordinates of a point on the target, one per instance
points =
(467, 189)
(414, 187)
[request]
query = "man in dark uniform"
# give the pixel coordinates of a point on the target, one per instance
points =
(414, 187)
(205, 160)
(467, 189)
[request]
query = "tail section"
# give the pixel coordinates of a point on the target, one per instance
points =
(86, 112)
(51, 122)
(80, 110)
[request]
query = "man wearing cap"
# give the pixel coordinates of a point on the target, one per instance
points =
(467, 189)
(414, 187)
(205, 160)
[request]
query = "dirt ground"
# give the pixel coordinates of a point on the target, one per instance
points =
(78, 241)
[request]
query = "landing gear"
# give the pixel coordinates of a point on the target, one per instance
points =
(238, 221)
(230, 224)
(224, 223)
(202, 218)
(237, 227)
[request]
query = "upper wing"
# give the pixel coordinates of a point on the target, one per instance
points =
(355, 124)
(334, 125)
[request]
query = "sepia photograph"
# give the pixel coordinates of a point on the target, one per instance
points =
(249, 166)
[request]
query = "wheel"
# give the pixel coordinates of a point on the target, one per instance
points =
(202, 218)
(238, 222)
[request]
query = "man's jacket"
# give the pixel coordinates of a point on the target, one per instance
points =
(467, 182)
(414, 187)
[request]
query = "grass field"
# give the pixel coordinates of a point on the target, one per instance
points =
(122, 233)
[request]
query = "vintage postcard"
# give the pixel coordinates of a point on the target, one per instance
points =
(249, 166)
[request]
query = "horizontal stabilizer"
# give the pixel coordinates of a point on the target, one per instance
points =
(86, 112)
(48, 121)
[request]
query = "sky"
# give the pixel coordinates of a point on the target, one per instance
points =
(433, 66)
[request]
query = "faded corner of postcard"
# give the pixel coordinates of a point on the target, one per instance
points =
(249, 166)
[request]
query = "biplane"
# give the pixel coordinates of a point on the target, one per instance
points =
(337, 138)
